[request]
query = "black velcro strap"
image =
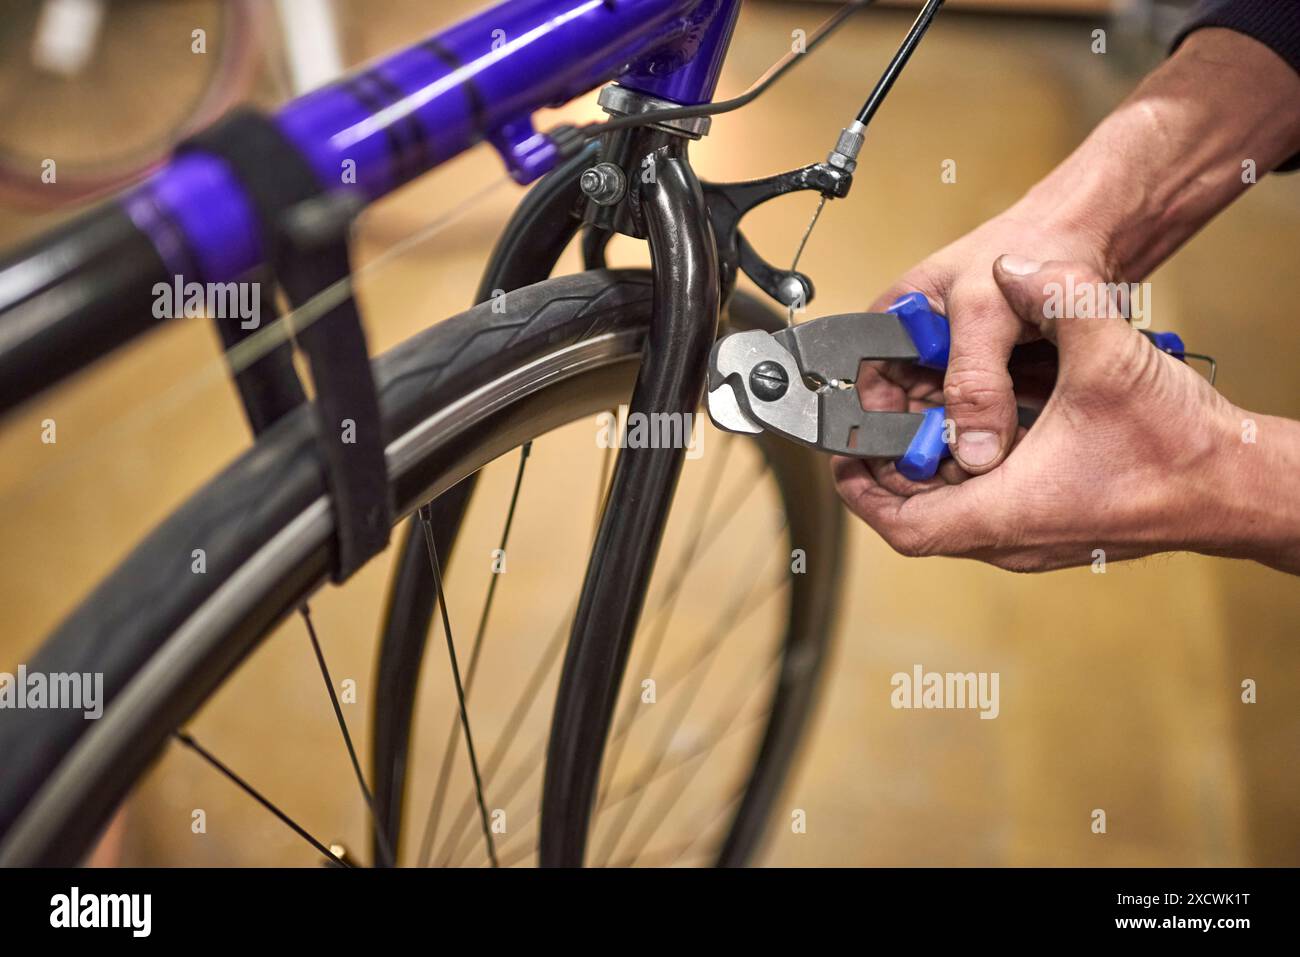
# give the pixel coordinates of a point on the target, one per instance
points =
(307, 254)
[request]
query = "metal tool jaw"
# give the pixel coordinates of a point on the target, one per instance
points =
(800, 383)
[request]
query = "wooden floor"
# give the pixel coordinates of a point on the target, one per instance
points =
(1119, 692)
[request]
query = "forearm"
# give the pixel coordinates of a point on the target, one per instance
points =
(1172, 155)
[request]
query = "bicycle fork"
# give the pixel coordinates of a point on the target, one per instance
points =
(671, 380)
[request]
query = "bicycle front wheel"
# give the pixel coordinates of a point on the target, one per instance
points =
(453, 398)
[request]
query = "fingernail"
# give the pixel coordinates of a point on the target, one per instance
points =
(1019, 266)
(977, 449)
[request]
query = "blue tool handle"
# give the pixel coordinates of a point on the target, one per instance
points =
(928, 449)
(927, 329)
(929, 333)
(1169, 342)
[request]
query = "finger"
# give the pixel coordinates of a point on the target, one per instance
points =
(916, 380)
(886, 473)
(887, 476)
(1072, 305)
(925, 390)
(929, 281)
(948, 520)
(977, 387)
(855, 483)
(951, 472)
(877, 392)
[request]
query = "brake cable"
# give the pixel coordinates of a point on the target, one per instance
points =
(909, 44)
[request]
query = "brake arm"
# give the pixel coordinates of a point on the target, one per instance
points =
(729, 202)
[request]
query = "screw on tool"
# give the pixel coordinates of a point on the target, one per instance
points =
(768, 381)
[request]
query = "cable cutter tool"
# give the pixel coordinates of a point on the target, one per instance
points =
(799, 383)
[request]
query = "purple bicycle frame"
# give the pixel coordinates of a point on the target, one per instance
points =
(404, 114)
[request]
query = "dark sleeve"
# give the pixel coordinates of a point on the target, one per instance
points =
(1275, 23)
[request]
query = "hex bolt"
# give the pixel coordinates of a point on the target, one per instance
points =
(768, 381)
(604, 184)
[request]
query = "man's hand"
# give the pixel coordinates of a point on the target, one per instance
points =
(1133, 454)
(958, 281)
(1148, 177)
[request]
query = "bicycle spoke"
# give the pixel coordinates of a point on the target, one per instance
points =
(451, 851)
(707, 527)
(723, 808)
(523, 773)
(683, 849)
(454, 849)
(666, 804)
(702, 751)
(651, 616)
(187, 740)
(455, 673)
(666, 599)
(453, 735)
(679, 671)
(664, 857)
(725, 726)
(668, 596)
(387, 847)
(631, 710)
(646, 660)
(520, 855)
(732, 616)
(520, 776)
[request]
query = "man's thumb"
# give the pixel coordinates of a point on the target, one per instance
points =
(1066, 301)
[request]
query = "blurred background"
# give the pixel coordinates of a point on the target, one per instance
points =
(1119, 691)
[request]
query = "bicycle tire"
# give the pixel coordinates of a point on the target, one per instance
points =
(453, 398)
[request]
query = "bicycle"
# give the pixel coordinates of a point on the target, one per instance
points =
(535, 353)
